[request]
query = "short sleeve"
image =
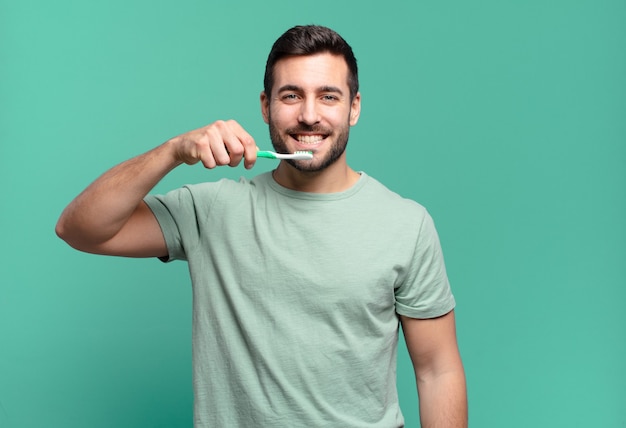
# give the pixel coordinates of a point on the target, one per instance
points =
(425, 291)
(172, 211)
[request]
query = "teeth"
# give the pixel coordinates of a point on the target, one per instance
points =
(309, 139)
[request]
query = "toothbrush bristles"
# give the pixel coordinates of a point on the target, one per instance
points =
(303, 154)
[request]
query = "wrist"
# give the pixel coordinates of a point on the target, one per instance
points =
(172, 152)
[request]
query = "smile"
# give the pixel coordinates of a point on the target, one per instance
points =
(309, 139)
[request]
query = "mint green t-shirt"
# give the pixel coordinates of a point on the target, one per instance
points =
(296, 296)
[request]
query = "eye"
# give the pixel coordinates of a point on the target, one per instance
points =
(289, 97)
(330, 98)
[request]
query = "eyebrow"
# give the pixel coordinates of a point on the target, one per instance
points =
(296, 88)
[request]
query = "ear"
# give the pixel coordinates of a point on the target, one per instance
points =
(265, 107)
(355, 109)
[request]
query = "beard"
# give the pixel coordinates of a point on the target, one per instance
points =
(316, 164)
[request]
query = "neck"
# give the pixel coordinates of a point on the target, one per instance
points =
(338, 177)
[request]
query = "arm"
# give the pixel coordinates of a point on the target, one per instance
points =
(439, 372)
(110, 217)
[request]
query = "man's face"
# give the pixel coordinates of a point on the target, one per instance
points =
(310, 109)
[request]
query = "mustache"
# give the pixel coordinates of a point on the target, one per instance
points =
(311, 129)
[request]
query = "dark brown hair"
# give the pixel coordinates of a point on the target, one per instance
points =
(310, 40)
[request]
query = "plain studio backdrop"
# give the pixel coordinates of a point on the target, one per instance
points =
(507, 120)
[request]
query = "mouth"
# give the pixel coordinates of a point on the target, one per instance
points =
(309, 140)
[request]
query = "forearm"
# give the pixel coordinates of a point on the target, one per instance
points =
(103, 208)
(443, 400)
(108, 217)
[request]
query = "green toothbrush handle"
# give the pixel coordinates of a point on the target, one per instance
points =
(265, 154)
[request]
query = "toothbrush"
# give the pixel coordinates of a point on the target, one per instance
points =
(300, 155)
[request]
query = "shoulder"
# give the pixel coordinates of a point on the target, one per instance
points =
(391, 202)
(203, 196)
(226, 186)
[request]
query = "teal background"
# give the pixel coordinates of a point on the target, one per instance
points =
(507, 120)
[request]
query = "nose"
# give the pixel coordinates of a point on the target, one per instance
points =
(308, 112)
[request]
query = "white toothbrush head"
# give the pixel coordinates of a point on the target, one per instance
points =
(301, 155)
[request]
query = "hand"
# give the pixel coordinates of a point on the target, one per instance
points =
(220, 143)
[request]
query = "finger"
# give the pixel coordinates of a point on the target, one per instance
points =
(206, 157)
(216, 134)
(246, 143)
(250, 149)
(234, 143)
(235, 149)
(199, 149)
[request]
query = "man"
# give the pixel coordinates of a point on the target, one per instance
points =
(300, 276)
